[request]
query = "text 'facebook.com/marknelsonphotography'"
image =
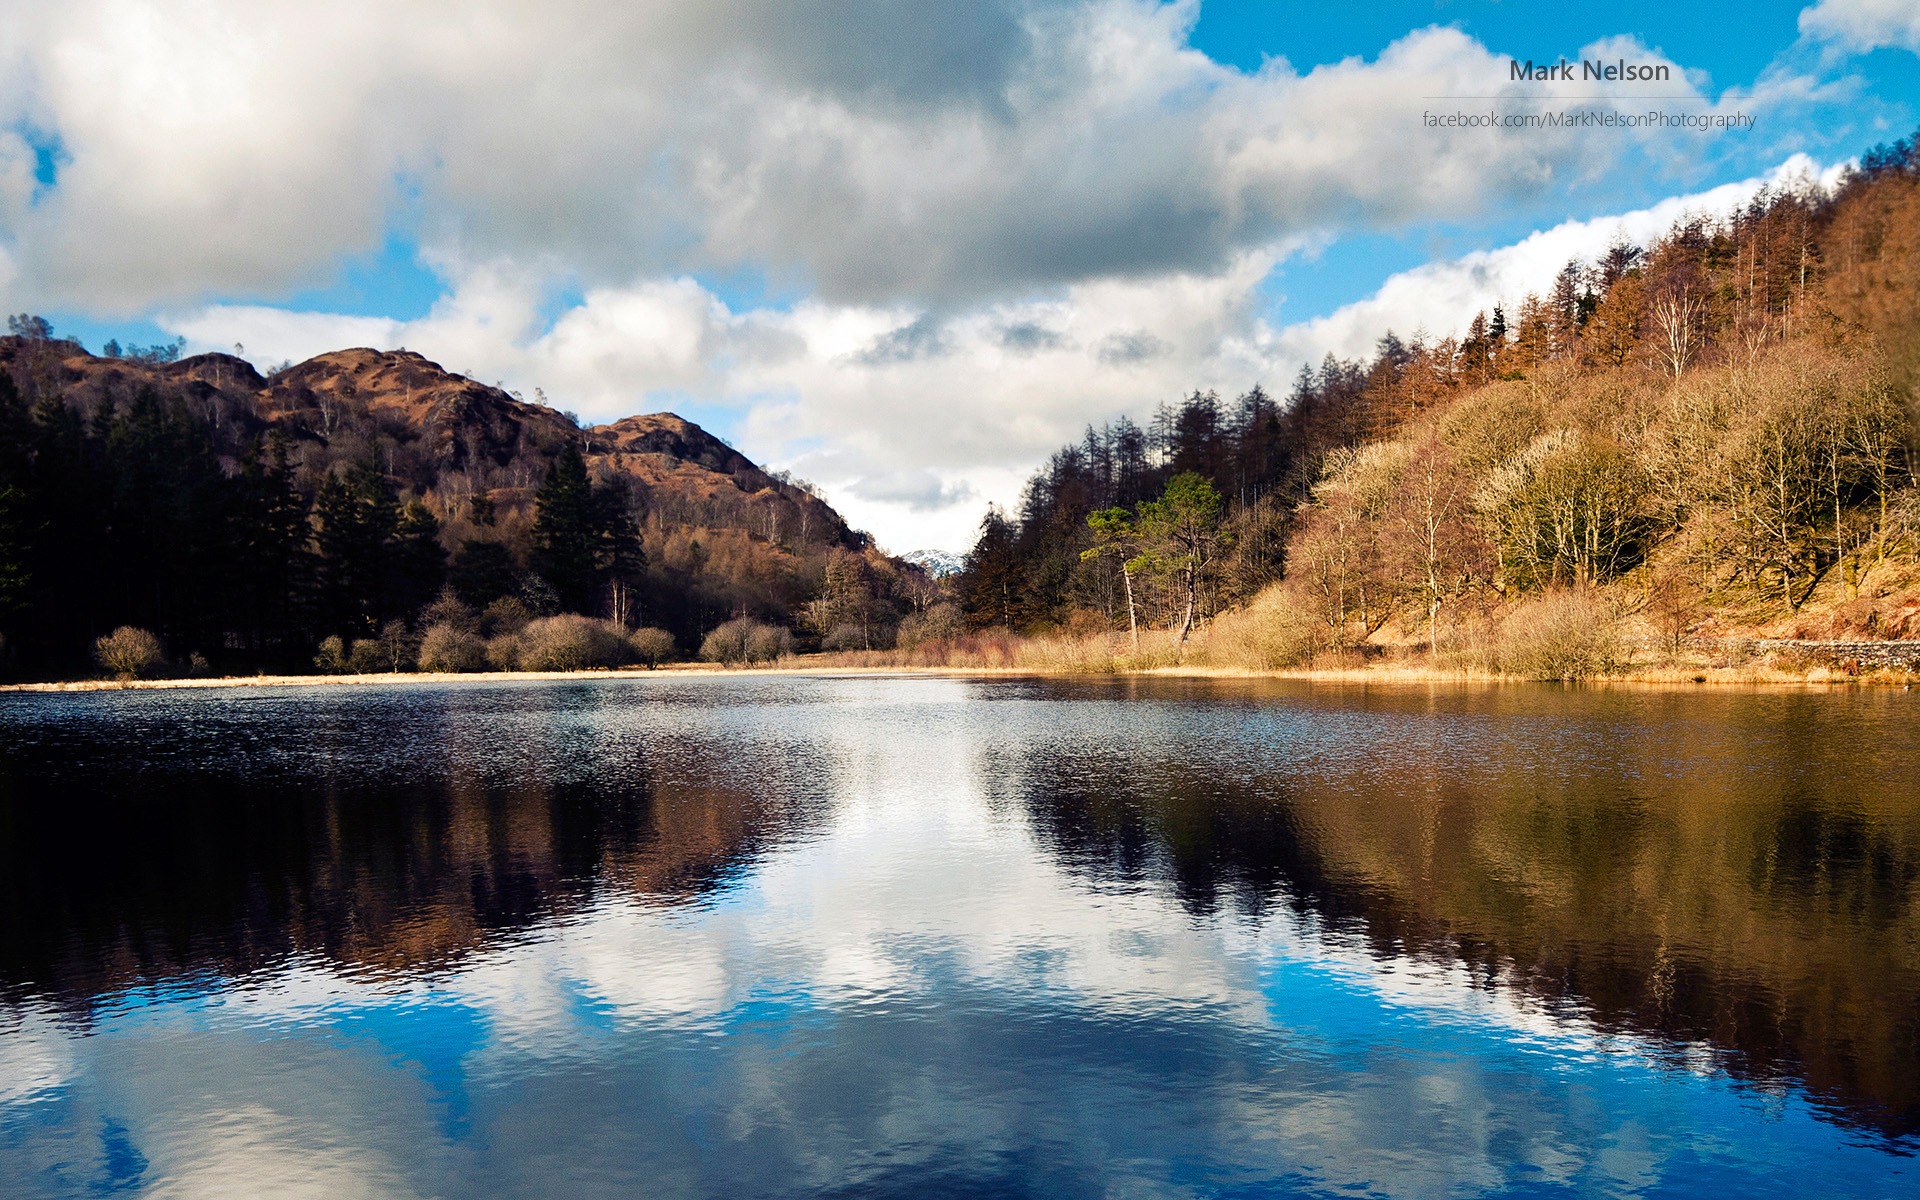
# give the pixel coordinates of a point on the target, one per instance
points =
(1591, 118)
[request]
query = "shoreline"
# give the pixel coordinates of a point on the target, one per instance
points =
(1674, 676)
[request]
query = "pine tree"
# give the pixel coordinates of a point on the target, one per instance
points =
(482, 571)
(419, 565)
(16, 502)
(620, 561)
(566, 532)
(991, 585)
(270, 549)
(357, 515)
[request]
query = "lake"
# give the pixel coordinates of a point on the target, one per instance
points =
(872, 936)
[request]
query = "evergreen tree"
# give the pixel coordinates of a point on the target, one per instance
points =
(166, 528)
(270, 535)
(991, 584)
(16, 503)
(357, 516)
(419, 565)
(586, 545)
(566, 532)
(620, 562)
(1181, 531)
(482, 572)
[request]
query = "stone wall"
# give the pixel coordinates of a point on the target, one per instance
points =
(1867, 654)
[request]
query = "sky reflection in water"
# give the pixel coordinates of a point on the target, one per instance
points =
(809, 936)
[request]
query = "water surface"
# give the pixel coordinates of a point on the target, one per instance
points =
(762, 936)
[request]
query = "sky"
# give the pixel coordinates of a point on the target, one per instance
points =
(902, 248)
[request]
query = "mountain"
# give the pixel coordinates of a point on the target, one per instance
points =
(937, 563)
(140, 485)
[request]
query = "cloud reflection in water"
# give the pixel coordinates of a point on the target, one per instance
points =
(933, 935)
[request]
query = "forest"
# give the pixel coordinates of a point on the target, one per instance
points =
(1712, 433)
(372, 511)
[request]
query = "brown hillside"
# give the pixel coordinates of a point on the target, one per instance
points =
(721, 535)
(439, 432)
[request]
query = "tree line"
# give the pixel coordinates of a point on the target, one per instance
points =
(129, 519)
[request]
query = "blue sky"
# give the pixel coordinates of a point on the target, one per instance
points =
(901, 249)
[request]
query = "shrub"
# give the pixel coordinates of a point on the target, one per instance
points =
(448, 610)
(743, 640)
(845, 637)
(448, 647)
(332, 655)
(942, 622)
(1269, 634)
(572, 643)
(129, 653)
(503, 652)
(508, 615)
(651, 646)
(727, 643)
(367, 657)
(767, 643)
(1563, 635)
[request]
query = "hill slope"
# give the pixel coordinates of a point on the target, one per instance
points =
(1716, 435)
(191, 497)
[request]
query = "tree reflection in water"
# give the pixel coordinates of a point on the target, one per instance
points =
(1732, 871)
(1752, 891)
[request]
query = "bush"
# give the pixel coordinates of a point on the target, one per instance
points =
(332, 655)
(367, 657)
(507, 615)
(448, 610)
(1269, 634)
(1563, 635)
(503, 652)
(743, 640)
(448, 647)
(940, 623)
(129, 653)
(572, 643)
(768, 643)
(651, 646)
(726, 644)
(845, 637)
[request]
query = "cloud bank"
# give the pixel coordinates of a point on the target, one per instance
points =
(939, 152)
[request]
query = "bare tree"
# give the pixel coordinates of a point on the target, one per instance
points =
(1677, 317)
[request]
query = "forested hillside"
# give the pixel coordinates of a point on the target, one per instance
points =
(245, 520)
(1714, 432)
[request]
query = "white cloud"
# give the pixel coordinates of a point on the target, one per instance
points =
(1863, 25)
(943, 152)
